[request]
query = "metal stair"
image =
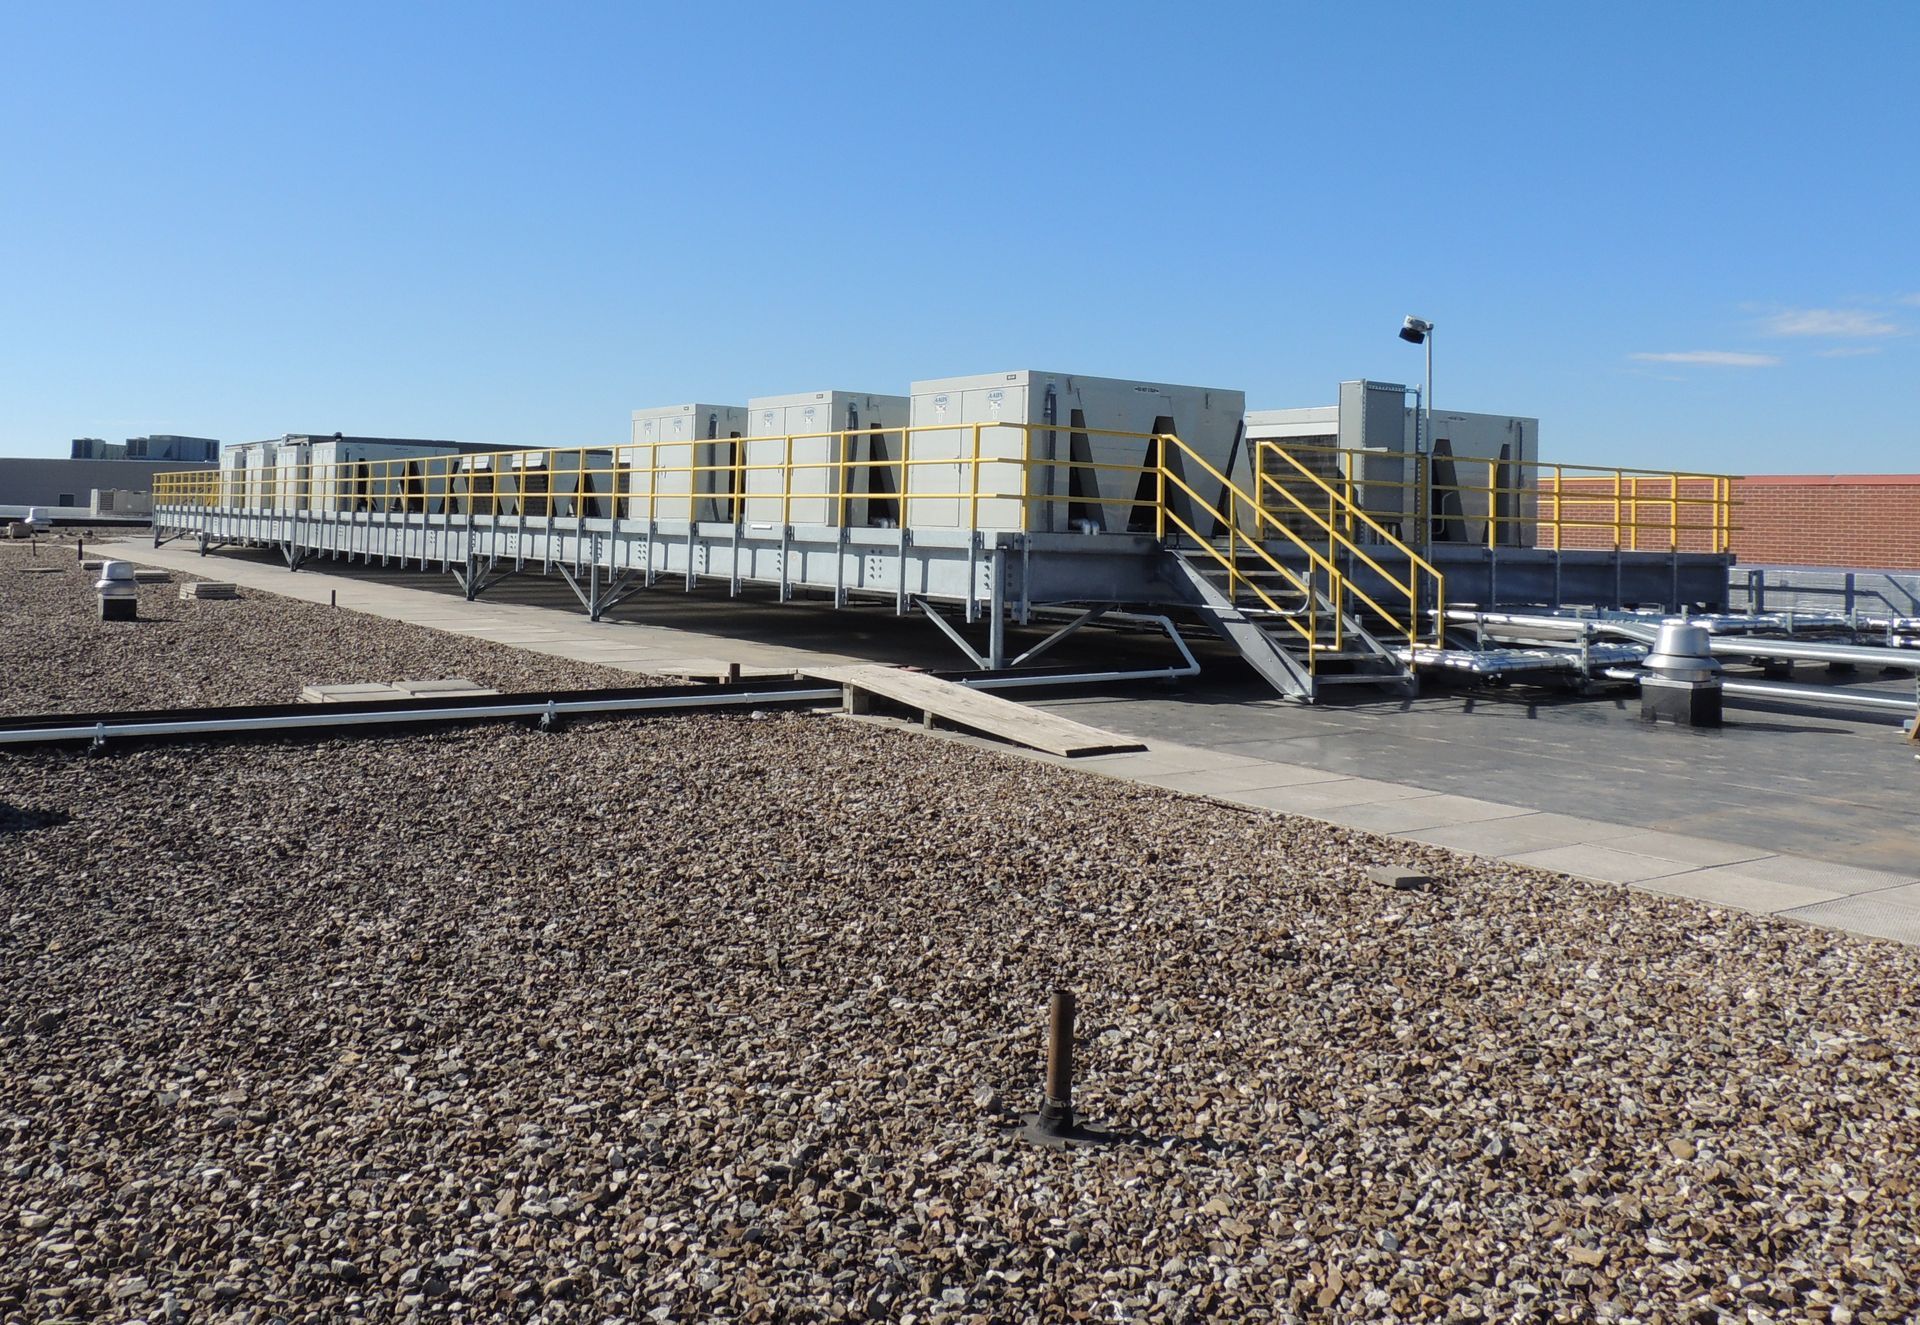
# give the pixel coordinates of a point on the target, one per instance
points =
(1288, 629)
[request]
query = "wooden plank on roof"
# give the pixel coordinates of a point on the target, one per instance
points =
(961, 706)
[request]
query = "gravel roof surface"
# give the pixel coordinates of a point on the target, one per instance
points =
(719, 1018)
(57, 656)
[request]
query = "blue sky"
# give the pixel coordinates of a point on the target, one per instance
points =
(1680, 234)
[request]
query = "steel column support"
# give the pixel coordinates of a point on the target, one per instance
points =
(997, 605)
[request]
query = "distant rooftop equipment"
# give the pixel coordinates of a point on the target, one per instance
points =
(334, 472)
(788, 428)
(1067, 412)
(701, 441)
(160, 446)
(1369, 438)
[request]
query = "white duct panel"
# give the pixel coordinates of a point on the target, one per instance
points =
(474, 483)
(1069, 412)
(257, 486)
(1475, 452)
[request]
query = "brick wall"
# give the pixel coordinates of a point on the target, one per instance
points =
(1588, 513)
(1868, 521)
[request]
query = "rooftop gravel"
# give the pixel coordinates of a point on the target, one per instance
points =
(724, 1018)
(57, 656)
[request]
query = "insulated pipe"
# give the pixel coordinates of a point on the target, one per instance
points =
(1820, 695)
(1728, 646)
(1797, 694)
(1863, 655)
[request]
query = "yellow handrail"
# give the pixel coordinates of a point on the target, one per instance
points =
(1342, 506)
(952, 473)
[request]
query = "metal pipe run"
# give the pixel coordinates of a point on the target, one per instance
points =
(1838, 696)
(1861, 655)
(257, 719)
(1743, 646)
(1800, 694)
(98, 728)
(1189, 667)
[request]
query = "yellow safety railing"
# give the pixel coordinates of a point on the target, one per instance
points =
(1304, 620)
(1338, 524)
(1012, 476)
(1533, 503)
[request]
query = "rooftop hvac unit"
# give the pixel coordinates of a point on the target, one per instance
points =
(352, 476)
(1066, 415)
(233, 475)
(257, 485)
(544, 485)
(783, 429)
(475, 483)
(292, 479)
(1478, 462)
(682, 461)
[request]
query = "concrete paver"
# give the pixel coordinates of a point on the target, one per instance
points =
(1315, 798)
(1597, 862)
(1678, 846)
(1241, 777)
(1825, 875)
(1493, 838)
(1407, 815)
(1893, 914)
(1727, 885)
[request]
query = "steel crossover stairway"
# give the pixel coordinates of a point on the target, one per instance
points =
(1271, 578)
(1294, 636)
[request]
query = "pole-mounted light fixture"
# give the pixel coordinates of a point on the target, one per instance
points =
(1419, 331)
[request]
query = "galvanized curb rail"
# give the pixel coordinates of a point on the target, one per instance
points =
(375, 717)
(359, 716)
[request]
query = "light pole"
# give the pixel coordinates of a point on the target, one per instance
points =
(1419, 331)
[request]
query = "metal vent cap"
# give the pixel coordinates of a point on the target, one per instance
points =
(1683, 653)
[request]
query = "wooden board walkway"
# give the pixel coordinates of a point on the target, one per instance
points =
(974, 710)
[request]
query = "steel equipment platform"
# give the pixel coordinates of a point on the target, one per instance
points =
(1310, 602)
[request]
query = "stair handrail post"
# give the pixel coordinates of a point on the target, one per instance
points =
(1160, 490)
(1233, 549)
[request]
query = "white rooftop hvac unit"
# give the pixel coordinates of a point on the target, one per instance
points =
(1067, 414)
(783, 429)
(350, 475)
(550, 484)
(677, 451)
(1369, 439)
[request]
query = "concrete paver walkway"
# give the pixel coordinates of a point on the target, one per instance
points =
(1866, 901)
